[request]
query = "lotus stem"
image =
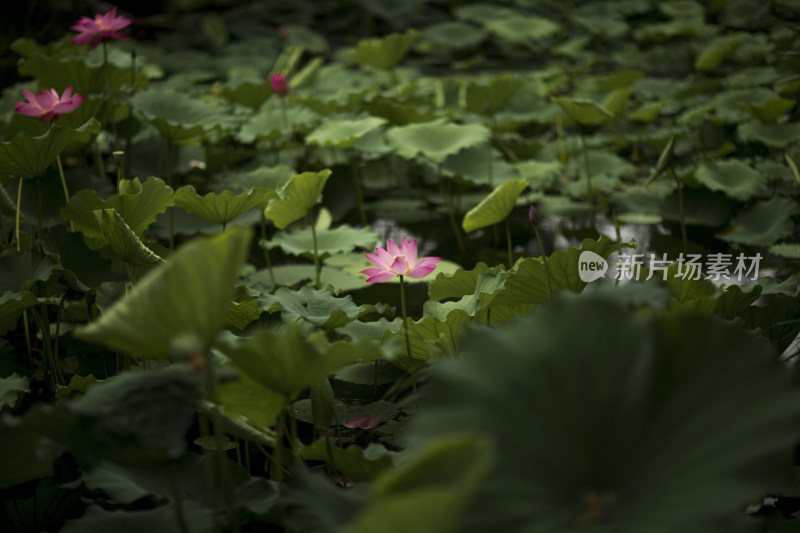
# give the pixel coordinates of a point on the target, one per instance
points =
(682, 212)
(316, 253)
(405, 330)
(266, 250)
(129, 133)
(19, 204)
(109, 103)
(544, 260)
(588, 179)
(508, 243)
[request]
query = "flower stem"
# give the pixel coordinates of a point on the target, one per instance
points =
(129, 134)
(109, 103)
(266, 250)
(544, 260)
(316, 253)
(508, 243)
(588, 180)
(19, 203)
(682, 212)
(285, 114)
(64, 185)
(405, 330)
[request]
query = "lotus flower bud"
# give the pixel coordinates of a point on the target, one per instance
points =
(279, 85)
(533, 216)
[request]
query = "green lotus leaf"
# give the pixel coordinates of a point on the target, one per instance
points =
(248, 399)
(489, 96)
(472, 165)
(583, 111)
(343, 133)
(777, 321)
(719, 49)
(85, 77)
(124, 241)
(199, 519)
(495, 207)
(317, 306)
(223, 207)
(297, 197)
(647, 112)
(451, 35)
(10, 387)
(459, 283)
(250, 93)
(527, 282)
(354, 462)
(19, 274)
(436, 139)
(268, 124)
(772, 109)
(187, 296)
(765, 223)
(138, 210)
(340, 240)
(522, 30)
(27, 157)
(287, 363)
(179, 117)
(733, 177)
(788, 250)
(480, 13)
(776, 135)
(431, 490)
(547, 396)
(264, 177)
(384, 53)
(540, 174)
(431, 337)
(700, 207)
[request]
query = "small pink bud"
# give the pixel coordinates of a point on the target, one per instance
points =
(282, 32)
(533, 216)
(279, 85)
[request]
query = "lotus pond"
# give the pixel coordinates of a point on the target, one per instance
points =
(378, 267)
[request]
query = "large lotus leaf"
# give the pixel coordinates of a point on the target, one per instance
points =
(719, 49)
(9, 387)
(608, 429)
(354, 462)
(329, 276)
(459, 283)
(96, 519)
(400, 113)
(527, 282)
(28, 157)
(522, 30)
(452, 35)
(223, 207)
(765, 223)
(384, 53)
(777, 321)
(431, 337)
(268, 124)
(124, 241)
(733, 177)
(540, 174)
(343, 133)
(472, 164)
(771, 109)
(287, 363)
(431, 490)
(263, 177)
(491, 95)
(776, 135)
(788, 250)
(583, 111)
(138, 210)
(436, 139)
(495, 207)
(189, 295)
(340, 240)
(317, 306)
(135, 418)
(21, 271)
(297, 197)
(248, 92)
(248, 399)
(179, 117)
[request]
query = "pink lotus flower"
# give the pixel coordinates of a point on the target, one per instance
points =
(279, 85)
(47, 105)
(102, 28)
(399, 261)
